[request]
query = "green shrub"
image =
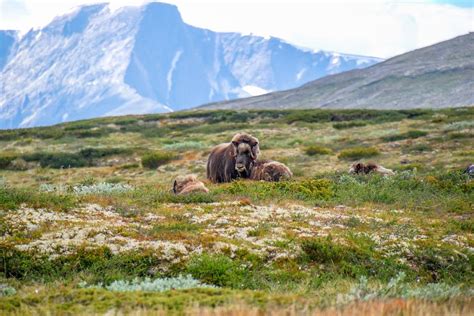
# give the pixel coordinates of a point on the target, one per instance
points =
(97, 153)
(357, 259)
(216, 269)
(317, 150)
(358, 153)
(57, 160)
(156, 159)
(12, 198)
(99, 265)
(446, 192)
(5, 160)
(346, 125)
(408, 135)
(309, 189)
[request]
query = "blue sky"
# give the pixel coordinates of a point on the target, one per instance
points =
(459, 3)
(365, 27)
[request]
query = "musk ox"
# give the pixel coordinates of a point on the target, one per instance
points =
(268, 170)
(469, 170)
(188, 184)
(361, 168)
(233, 160)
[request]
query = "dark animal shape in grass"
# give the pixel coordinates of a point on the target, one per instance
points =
(269, 170)
(361, 168)
(469, 170)
(233, 160)
(188, 184)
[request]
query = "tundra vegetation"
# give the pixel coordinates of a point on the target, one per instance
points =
(89, 222)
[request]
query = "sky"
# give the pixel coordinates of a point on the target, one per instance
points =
(370, 27)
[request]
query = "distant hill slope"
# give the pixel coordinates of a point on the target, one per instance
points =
(441, 75)
(96, 61)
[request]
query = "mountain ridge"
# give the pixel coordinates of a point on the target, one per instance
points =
(97, 62)
(440, 75)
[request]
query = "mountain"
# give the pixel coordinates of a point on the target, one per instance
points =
(96, 61)
(8, 39)
(438, 76)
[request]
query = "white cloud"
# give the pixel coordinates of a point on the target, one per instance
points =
(369, 27)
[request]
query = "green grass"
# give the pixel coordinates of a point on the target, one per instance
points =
(317, 150)
(156, 159)
(357, 153)
(408, 135)
(308, 242)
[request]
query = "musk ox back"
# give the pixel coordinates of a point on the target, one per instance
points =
(232, 160)
(188, 184)
(361, 168)
(269, 170)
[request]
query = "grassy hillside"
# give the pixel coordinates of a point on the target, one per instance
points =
(87, 216)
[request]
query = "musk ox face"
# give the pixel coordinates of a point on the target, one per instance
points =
(244, 159)
(181, 182)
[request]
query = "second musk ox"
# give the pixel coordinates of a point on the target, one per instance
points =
(361, 168)
(269, 170)
(233, 160)
(188, 184)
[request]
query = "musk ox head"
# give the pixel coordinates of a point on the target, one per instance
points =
(357, 168)
(246, 150)
(187, 184)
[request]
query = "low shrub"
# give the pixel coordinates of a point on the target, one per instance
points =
(98, 265)
(6, 290)
(358, 258)
(5, 160)
(149, 285)
(97, 153)
(101, 188)
(317, 150)
(156, 159)
(12, 198)
(309, 189)
(397, 287)
(58, 160)
(408, 135)
(446, 192)
(356, 153)
(346, 125)
(218, 270)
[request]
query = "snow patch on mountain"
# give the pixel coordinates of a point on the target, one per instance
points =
(254, 90)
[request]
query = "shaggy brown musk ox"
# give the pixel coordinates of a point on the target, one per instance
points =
(269, 170)
(361, 168)
(233, 160)
(188, 184)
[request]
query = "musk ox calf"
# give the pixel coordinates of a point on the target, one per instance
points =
(188, 184)
(361, 168)
(233, 160)
(268, 170)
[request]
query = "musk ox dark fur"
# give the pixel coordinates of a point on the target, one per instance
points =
(469, 170)
(188, 184)
(361, 168)
(268, 170)
(233, 160)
